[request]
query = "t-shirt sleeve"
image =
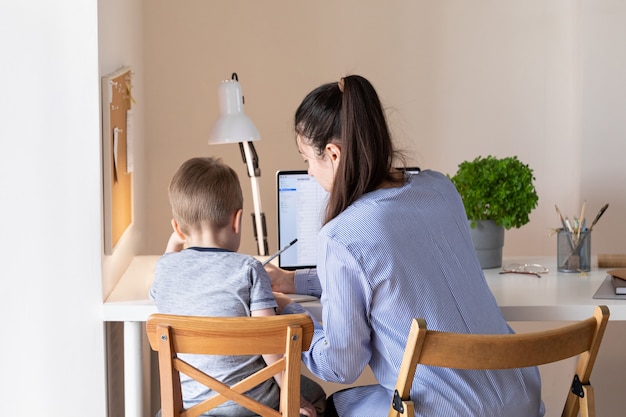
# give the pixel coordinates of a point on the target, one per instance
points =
(261, 295)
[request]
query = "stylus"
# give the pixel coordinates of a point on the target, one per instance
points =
(265, 262)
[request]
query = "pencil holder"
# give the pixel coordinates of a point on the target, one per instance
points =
(573, 251)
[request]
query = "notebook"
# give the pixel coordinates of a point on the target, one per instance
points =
(301, 208)
(618, 280)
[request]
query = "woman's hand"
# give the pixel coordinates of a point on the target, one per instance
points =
(282, 280)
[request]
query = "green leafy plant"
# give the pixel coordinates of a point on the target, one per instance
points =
(495, 189)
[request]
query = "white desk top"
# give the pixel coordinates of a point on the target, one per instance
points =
(129, 299)
(553, 297)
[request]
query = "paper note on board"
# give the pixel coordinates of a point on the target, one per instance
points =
(116, 133)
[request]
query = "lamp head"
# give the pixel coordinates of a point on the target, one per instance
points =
(233, 125)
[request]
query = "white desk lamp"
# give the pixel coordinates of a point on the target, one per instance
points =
(233, 126)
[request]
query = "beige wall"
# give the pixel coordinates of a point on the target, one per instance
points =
(459, 79)
(603, 121)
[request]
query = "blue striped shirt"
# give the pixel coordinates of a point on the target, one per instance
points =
(396, 254)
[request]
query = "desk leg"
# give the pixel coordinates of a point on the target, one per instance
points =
(133, 382)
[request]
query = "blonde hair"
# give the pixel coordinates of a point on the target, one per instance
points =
(204, 192)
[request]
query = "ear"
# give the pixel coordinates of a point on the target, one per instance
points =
(333, 150)
(176, 228)
(236, 221)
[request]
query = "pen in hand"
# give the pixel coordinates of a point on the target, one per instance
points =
(265, 262)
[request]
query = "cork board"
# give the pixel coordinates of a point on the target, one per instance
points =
(116, 155)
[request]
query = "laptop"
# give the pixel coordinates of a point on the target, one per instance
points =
(301, 208)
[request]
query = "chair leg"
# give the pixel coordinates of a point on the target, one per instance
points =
(588, 402)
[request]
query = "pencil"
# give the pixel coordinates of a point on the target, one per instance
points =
(600, 213)
(581, 221)
(565, 228)
(560, 217)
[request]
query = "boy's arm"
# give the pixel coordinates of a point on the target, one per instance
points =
(269, 359)
(306, 408)
(175, 243)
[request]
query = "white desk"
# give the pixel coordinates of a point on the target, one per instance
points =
(553, 297)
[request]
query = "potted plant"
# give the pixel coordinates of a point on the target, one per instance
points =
(498, 194)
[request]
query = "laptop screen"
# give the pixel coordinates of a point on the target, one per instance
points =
(301, 208)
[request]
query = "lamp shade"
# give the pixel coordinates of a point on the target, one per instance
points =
(233, 125)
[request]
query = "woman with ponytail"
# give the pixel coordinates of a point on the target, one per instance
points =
(394, 246)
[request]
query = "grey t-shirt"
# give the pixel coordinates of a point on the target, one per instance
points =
(215, 282)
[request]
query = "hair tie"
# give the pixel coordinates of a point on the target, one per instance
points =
(340, 83)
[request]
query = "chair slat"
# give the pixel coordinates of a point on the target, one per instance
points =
(471, 351)
(223, 335)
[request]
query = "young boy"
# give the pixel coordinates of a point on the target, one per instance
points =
(201, 274)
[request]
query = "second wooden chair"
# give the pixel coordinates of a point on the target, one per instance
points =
(474, 351)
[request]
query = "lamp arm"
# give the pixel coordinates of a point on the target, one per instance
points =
(250, 158)
(250, 154)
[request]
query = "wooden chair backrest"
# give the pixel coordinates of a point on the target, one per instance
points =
(482, 351)
(170, 335)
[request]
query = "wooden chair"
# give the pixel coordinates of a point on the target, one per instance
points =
(467, 351)
(170, 335)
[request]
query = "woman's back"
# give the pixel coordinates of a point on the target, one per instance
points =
(396, 254)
